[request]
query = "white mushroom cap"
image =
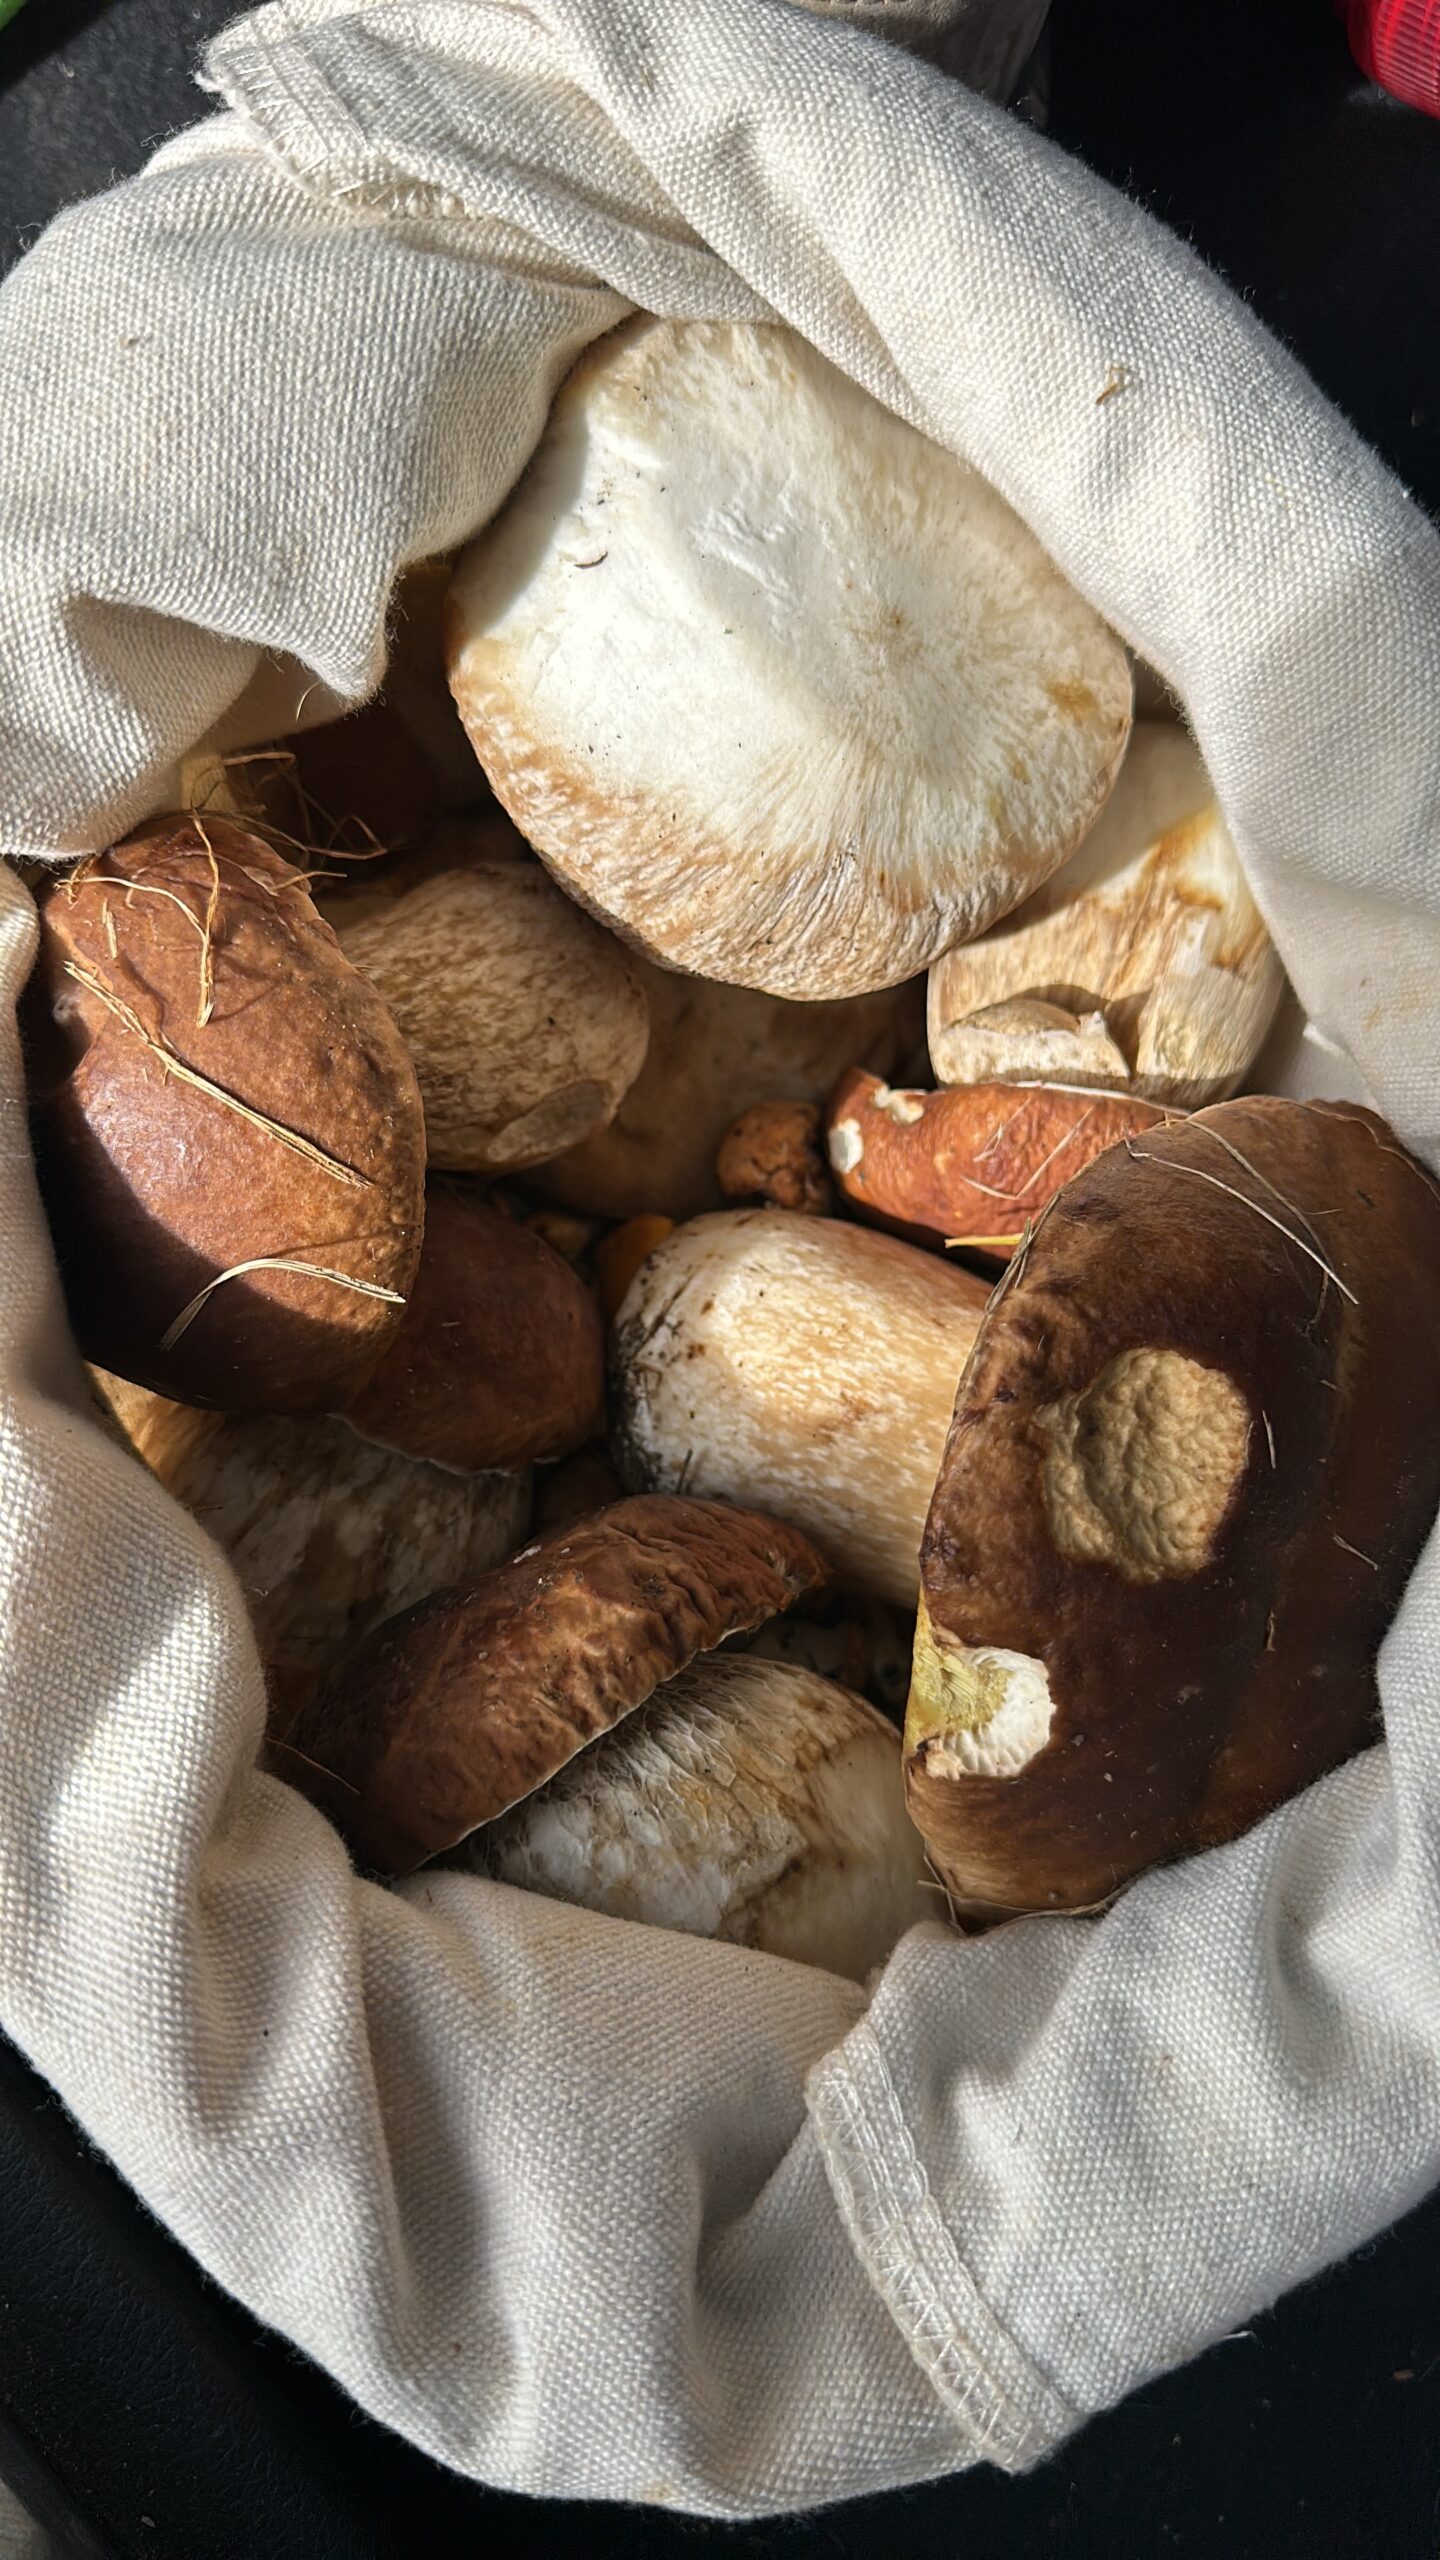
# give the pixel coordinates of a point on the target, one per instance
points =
(772, 682)
(1142, 967)
(800, 1365)
(749, 1800)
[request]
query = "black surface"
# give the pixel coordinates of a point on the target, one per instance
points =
(140, 2412)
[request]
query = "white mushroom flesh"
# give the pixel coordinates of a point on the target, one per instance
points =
(1143, 966)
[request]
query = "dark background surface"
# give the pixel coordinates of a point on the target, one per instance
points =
(140, 2412)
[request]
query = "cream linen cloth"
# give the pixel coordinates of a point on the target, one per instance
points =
(583, 2208)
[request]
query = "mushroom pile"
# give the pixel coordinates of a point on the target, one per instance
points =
(684, 1196)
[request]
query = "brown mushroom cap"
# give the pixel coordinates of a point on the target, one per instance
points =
(969, 1164)
(1194, 1456)
(217, 1092)
(459, 1707)
(500, 1355)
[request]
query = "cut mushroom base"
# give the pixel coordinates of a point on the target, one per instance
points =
(800, 1364)
(750, 1800)
(872, 716)
(1143, 967)
(1194, 1457)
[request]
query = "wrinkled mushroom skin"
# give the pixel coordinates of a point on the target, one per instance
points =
(457, 1708)
(1188, 1475)
(499, 1360)
(195, 951)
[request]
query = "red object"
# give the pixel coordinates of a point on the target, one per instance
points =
(1397, 42)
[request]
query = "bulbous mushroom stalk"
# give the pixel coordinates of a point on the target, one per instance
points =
(750, 1800)
(327, 1537)
(1143, 967)
(800, 1364)
(864, 714)
(455, 1710)
(527, 1022)
(1193, 1460)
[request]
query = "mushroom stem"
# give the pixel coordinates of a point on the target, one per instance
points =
(801, 1365)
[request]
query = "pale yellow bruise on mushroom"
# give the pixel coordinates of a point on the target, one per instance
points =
(975, 1711)
(1143, 1463)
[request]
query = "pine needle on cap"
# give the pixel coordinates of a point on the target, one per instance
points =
(274, 1262)
(178, 1067)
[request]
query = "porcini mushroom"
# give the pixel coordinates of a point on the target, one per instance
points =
(773, 1154)
(1143, 967)
(526, 1020)
(327, 1536)
(713, 1052)
(228, 1128)
(862, 713)
(800, 1364)
(969, 1164)
(750, 1800)
(499, 1359)
(1193, 1460)
(455, 1710)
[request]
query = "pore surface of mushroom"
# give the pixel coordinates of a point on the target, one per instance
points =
(750, 1800)
(774, 683)
(801, 1364)
(1193, 1458)
(1143, 966)
(456, 1709)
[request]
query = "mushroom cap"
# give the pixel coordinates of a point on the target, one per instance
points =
(713, 1052)
(1143, 966)
(1193, 1460)
(769, 679)
(456, 1709)
(219, 1097)
(327, 1536)
(526, 1020)
(802, 1364)
(499, 1359)
(750, 1800)
(968, 1164)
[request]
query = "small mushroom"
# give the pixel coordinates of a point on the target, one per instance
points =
(969, 1164)
(773, 1155)
(327, 1536)
(1194, 1458)
(499, 1359)
(749, 1800)
(457, 1709)
(1142, 967)
(526, 1021)
(228, 1129)
(713, 1052)
(862, 713)
(800, 1364)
